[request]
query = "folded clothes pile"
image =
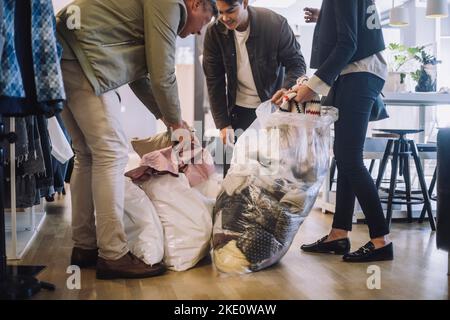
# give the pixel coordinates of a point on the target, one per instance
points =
(267, 195)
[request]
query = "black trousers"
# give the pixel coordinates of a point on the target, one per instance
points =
(355, 95)
(241, 119)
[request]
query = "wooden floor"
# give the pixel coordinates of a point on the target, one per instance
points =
(418, 272)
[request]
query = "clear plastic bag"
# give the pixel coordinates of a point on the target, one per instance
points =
(277, 170)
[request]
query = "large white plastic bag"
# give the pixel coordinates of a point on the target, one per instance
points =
(272, 185)
(186, 220)
(142, 226)
(209, 190)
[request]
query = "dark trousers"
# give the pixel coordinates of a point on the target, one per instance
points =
(241, 119)
(355, 95)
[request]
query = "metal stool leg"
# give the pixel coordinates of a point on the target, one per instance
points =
(407, 177)
(372, 165)
(433, 183)
(383, 163)
(393, 184)
(423, 185)
(430, 193)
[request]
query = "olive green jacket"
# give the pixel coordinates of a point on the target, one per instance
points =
(133, 42)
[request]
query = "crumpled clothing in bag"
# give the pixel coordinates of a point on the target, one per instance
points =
(311, 107)
(155, 143)
(231, 258)
(194, 161)
(271, 187)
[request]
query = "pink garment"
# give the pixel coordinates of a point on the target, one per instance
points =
(195, 162)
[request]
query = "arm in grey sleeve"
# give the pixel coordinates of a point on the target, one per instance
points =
(162, 20)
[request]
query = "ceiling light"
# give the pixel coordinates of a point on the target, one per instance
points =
(399, 16)
(437, 9)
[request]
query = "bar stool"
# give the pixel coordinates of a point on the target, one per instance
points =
(374, 148)
(400, 151)
(427, 149)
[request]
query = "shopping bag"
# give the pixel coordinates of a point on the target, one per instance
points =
(277, 169)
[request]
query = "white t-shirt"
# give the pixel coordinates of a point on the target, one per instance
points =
(246, 95)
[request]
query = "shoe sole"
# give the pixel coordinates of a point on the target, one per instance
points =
(105, 275)
(337, 253)
(370, 260)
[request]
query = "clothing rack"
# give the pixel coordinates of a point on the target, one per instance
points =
(17, 282)
(15, 254)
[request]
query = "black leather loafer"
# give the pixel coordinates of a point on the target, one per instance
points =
(340, 246)
(368, 253)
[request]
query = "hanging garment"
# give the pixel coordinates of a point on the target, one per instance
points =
(45, 181)
(29, 163)
(34, 164)
(30, 73)
(21, 144)
(61, 149)
(2, 37)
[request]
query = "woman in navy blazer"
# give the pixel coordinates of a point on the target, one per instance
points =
(351, 72)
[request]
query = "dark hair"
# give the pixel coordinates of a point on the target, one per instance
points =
(213, 6)
(231, 2)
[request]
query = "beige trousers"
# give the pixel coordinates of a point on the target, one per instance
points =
(101, 155)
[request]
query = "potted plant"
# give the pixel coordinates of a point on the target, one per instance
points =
(427, 74)
(401, 62)
(411, 62)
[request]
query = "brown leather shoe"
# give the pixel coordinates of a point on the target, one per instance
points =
(127, 267)
(84, 258)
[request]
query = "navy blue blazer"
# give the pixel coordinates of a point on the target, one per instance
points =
(347, 31)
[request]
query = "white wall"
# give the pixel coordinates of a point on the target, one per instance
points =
(59, 4)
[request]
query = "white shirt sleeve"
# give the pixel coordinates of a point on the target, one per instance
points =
(318, 86)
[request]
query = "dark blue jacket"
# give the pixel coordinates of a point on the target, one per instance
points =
(347, 31)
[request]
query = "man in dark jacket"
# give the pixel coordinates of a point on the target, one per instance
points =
(247, 52)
